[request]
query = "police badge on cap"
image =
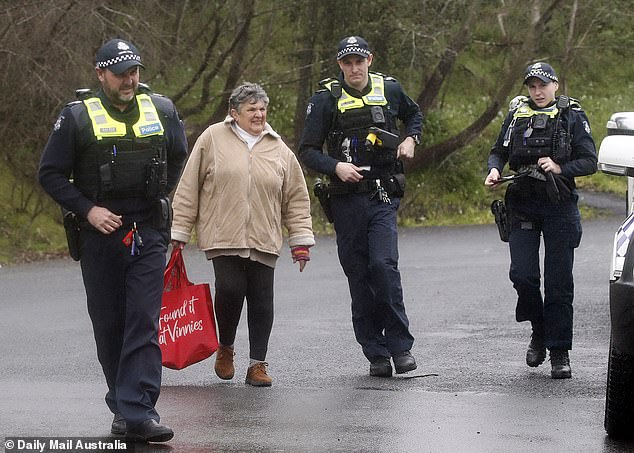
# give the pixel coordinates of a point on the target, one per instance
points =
(543, 71)
(118, 56)
(353, 45)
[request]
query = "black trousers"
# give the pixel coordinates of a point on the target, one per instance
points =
(124, 302)
(238, 278)
(367, 244)
(559, 225)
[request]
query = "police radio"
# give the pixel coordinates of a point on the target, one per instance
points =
(563, 102)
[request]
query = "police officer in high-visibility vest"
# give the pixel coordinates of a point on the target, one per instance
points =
(547, 142)
(110, 161)
(356, 114)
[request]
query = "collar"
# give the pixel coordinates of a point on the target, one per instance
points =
(267, 127)
(354, 92)
(107, 103)
(533, 106)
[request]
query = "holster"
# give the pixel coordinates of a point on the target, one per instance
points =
(501, 219)
(320, 189)
(71, 226)
(162, 214)
(395, 185)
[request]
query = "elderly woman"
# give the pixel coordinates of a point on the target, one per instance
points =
(240, 185)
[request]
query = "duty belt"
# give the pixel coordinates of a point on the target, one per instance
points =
(336, 188)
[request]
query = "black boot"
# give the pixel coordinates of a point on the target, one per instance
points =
(381, 367)
(536, 352)
(560, 363)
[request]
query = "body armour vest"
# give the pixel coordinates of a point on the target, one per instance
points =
(353, 118)
(532, 134)
(118, 164)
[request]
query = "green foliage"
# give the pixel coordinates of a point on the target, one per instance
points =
(178, 40)
(30, 226)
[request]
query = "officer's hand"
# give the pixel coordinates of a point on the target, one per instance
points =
(103, 220)
(348, 172)
(177, 244)
(406, 149)
(549, 165)
(492, 178)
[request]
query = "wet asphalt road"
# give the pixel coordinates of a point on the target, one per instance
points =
(472, 391)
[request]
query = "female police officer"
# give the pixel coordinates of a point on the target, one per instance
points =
(547, 141)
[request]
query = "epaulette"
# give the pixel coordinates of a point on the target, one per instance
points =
(385, 76)
(516, 102)
(575, 104)
(83, 93)
(335, 86)
(323, 82)
(144, 88)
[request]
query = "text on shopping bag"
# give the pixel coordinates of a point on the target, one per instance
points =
(180, 322)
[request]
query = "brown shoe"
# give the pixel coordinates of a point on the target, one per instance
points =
(256, 375)
(224, 362)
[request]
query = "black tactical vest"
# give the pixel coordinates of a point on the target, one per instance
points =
(120, 167)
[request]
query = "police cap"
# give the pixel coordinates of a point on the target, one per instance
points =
(118, 56)
(353, 45)
(542, 71)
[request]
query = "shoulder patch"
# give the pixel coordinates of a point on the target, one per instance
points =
(586, 126)
(58, 123)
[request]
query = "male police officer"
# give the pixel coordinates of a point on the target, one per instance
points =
(547, 141)
(356, 114)
(124, 148)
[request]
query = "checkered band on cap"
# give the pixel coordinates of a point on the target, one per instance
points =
(541, 73)
(118, 59)
(352, 50)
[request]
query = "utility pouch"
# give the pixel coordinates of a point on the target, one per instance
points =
(162, 215)
(501, 219)
(552, 190)
(105, 179)
(152, 181)
(333, 143)
(71, 226)
(395, 185)
(320, 189)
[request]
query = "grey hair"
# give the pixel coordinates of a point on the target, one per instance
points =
(247, 92)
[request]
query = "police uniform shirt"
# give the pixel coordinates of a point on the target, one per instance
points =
(68, 138)
(319, 117)
(583, 158)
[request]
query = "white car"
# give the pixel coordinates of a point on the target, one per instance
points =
(616, 157)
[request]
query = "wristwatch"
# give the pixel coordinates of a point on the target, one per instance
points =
(416, 138)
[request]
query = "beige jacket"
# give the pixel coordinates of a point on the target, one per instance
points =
(239, 199)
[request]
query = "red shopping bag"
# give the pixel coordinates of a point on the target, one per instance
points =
(187, 328)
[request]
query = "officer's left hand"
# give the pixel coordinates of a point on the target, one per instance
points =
(549, 165)
(406, 149)
(103, 220)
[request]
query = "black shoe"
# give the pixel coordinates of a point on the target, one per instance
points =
(536, 353)
(381, 367)
(404, 362)
(149, 431)
(560, 363)
(118, 425)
